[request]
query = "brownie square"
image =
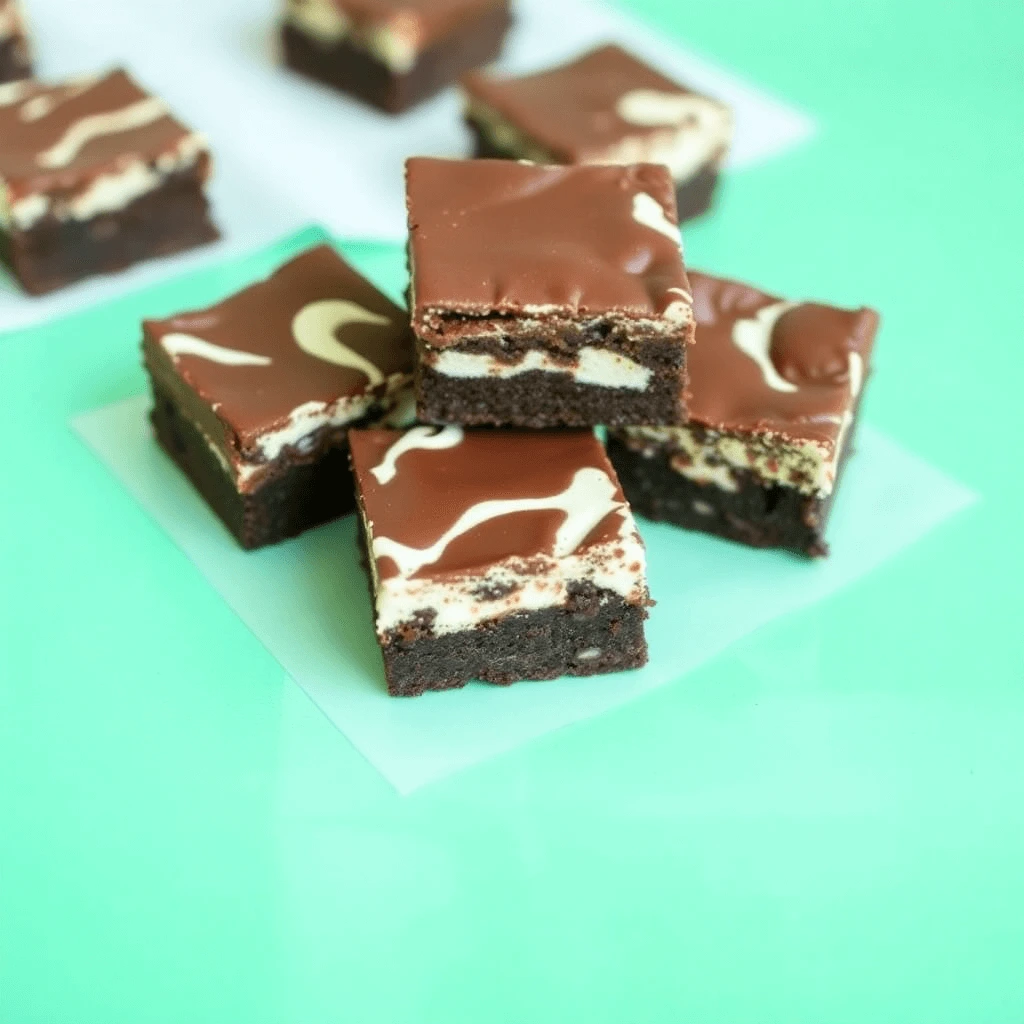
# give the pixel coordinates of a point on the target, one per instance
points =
(254, 397)
(498, 556)
(392, 53)
(98, 175)
(774, 392)
(606, 107)
(547, 296)
(15, 59)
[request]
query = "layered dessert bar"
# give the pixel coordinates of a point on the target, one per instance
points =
(392, 53)
(15, 60)
(606, 107)
(254, 397)
(95, 175)
(498, 556)
(547, 296)
(774, 392)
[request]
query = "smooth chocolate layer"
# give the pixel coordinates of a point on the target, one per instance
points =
(604, 107)
(493, 237)
(314, 344)
(351, 68)
(302, 492)
(55, 253)
(595, 632)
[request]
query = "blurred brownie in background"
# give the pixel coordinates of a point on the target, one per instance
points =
(392, 53)
(773, 396)
(97, 175)
(15, 57)
(254, 397)
(606, 107)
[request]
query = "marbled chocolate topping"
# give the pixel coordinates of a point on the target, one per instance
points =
(764, 365)
(583, 111)
(483, 497)
(494, 237)
(57, 138)
(311, 334)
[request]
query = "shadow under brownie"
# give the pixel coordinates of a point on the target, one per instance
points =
(774, 392)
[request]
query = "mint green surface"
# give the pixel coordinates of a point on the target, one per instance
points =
(825, 824)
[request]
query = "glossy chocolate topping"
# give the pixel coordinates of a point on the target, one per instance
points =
(572, 110)
(762, 364)
(421, 22)
(312, 332)
(441, 475)
(55, 137)
(494, 236)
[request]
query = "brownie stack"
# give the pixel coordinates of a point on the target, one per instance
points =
(544, 301)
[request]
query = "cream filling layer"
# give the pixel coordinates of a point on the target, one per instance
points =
(105, 193)
(324, 22)
(460, 603)
(597, 367)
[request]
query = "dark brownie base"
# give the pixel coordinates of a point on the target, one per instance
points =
(359, 73)
(55, 253)
(304, 494)
(693, 197)
(543, 644)
(14, 62)
(757, 515)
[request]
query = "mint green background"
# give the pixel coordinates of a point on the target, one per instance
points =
(824, 825)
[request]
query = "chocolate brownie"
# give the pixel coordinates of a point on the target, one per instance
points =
(547, 296)
(498, 556)
(98, 175)
(774, 392)
(392, 53)
(254, 397)
(606, 107)
(15, 57)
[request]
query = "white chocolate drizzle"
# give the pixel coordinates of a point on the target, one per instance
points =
(314, 330)
(753, 338)
(136, 115)
(586, 502)
(419, 438)
(38, 107)
(648, 211)
(189, 345)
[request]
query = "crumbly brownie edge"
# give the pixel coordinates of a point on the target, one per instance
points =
(55, 253)
(353, 70)
(298, 496)
(594, 633)
(694, 197)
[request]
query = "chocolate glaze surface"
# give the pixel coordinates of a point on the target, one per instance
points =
(35, 118)
(268, 374)
(422, 22)
(441, 485)
(819, 355)
(571, 109)
(493, 236)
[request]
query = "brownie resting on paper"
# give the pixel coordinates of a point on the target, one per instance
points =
(15, 58)
(254, 397)
(774, 392)
(98, 175)
(498, 556)
(606, 107)
(546, 296)
(392, 53)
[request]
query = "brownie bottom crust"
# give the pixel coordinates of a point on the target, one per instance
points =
(357, 72)
(694, 196)
(304, 494)
(538, 400)
(14, 62)
(594, 633)
(760, 516)
(55, 253)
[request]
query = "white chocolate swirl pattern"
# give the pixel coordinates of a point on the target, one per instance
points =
(753, 337)
(189, 345)
(417, 439)
(82, 132)
(314, 330)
